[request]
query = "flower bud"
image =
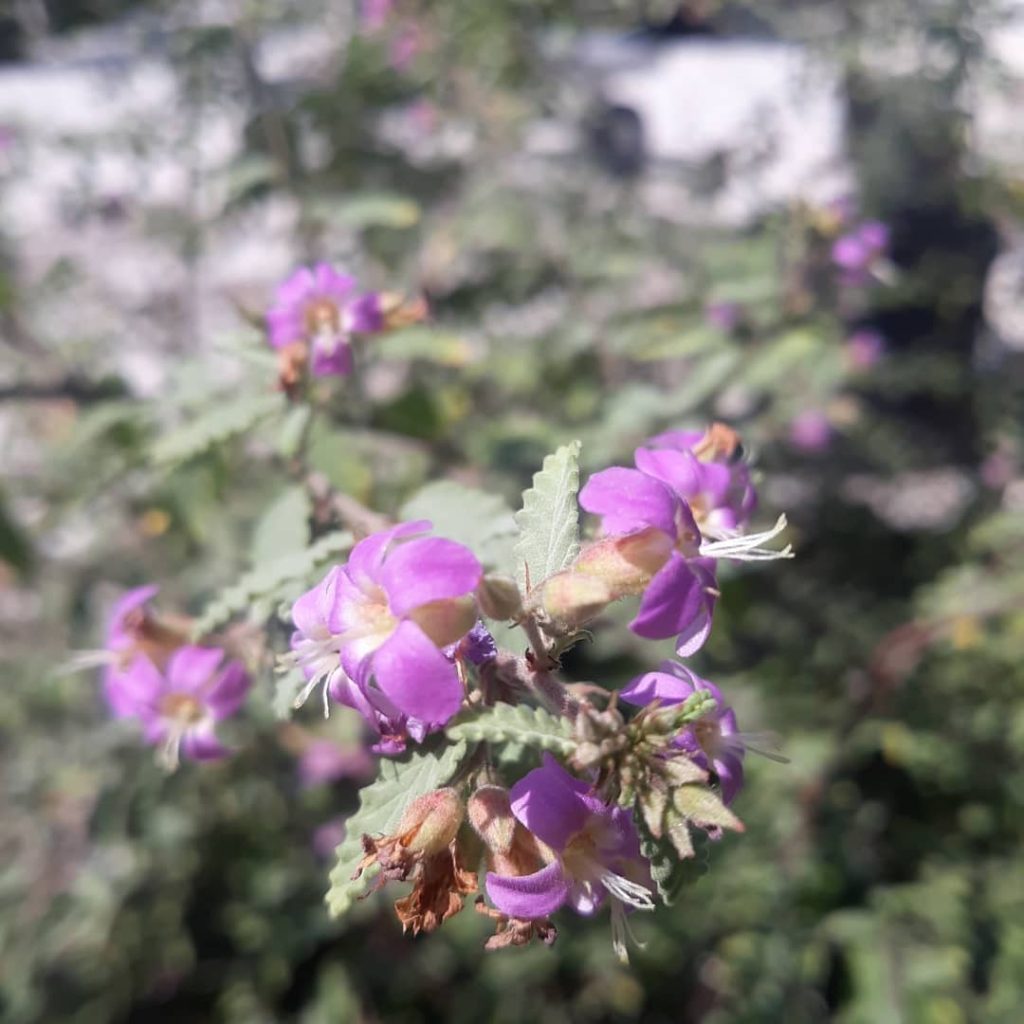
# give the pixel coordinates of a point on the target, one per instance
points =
(431, 821)
(572, 598)
(401, 311)
(498, 597)
(626, 564)
(490, 814)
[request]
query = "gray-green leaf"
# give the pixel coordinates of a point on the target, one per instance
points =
(507, 723)
(549, 521)
(217, 425)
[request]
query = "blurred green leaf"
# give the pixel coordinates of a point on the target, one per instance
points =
(215, 426)
(481, 521)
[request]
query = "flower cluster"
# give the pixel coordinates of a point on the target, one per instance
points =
(395, 633)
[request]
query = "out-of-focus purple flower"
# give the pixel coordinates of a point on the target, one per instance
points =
(318, 307)
(328, 837)
(864, 349)
(134, 633)
(325, 761)
(405, 46)
(374, 630)
(179, 707)
(374, 14)
(726, 316)
(714, 741)
(595, 853)
(810, 431)
(706, 469)
(857, 252)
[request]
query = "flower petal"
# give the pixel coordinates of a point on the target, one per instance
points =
(366, 557)
(312, 612)
(679, 470)
(201, 744)
(729, 769)
(416, 676)
(331, 283)
(672, 602)
(549, 802)
(191, 668)
(229, 691)
(529, 896)
(428, 569)
(628, 500)
(133, 691)
(127, 603)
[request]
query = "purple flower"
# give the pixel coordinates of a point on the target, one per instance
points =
(374, 14)
(374, 630)
(864, 349)
(705, 470)
(318, 307)
(810, 431)
(858, 252)
(594, 848)
(655, 548)
(726, 316)
(714, 741)
(179, 708)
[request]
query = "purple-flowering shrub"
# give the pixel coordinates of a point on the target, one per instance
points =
(493, 769)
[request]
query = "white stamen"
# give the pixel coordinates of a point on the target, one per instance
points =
(80, 661)
(168, 756)
(633, 893)
(747, 547)
(622, 934)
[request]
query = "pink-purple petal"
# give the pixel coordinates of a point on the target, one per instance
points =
(628, 501)
(671, 603)
(679, 470)
(416, 676)
(191, 668)
(529, 896)
(229, 691)
(548, 801)
(367, 556)
(428, 569)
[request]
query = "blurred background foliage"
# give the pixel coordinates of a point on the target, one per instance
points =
(582, 283)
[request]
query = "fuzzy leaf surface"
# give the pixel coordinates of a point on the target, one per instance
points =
(517, 724)
(549, 521)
